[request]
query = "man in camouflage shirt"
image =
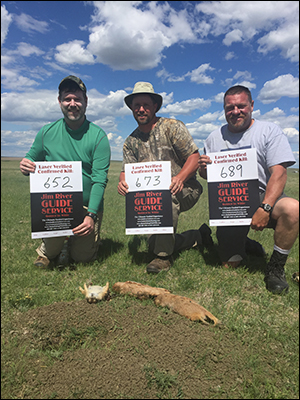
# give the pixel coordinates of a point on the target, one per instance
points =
(164, 139)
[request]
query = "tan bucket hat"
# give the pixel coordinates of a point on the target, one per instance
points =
(144, 88)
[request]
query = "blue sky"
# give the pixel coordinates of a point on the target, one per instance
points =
(191, 51)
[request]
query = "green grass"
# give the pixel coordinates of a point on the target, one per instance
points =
(256, 317)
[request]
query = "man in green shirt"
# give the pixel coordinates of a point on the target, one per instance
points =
(74, 138)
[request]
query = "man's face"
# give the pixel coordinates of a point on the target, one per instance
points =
(238, 112)
(73, 105)
(143, 109)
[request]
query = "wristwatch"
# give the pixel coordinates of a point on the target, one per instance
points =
(266, 207)
(92, 215)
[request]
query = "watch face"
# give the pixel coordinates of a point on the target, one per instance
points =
(267, 207)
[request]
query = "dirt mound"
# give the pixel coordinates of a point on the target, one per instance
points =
(125, 349)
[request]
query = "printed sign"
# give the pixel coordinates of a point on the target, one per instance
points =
(232, 187)
(148, 203)
(56, 198)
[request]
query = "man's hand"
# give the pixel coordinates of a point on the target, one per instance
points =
(203, 161)
(27, 166)
(260, 220)
(86, 228)
(176, 185)
(122, 185)
(188, 170)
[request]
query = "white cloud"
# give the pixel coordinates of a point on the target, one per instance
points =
(133, 34)
(42, 106)
(74, 52)
(210, 117)
(236, 35)
(295, 109)
(229, 55)
(6, 20)
(111, 105)
(201, 131)
(243, 20)
(186, 107)
(145, 38)
(16, 143)
(25, 50)
(29, 24)
(12, 79)
(285, 39)
(198, 75)
(292, 134)
(283, 85)
(32, 106)
(219, 98)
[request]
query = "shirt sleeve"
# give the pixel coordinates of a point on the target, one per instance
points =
(101, 163)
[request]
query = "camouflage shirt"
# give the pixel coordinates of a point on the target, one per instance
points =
(169, 140)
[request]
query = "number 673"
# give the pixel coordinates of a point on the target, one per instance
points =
(148, 179)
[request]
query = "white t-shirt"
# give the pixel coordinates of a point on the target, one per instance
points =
(267, 138)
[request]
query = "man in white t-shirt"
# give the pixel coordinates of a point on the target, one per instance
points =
(276, 211)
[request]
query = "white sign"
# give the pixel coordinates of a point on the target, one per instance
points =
(149, 203)
(232, 187)
(56, 198)
(56, 176)
(150, 175)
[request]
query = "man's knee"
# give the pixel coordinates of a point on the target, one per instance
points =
(84, 251)
(84, 257)
(287, 209)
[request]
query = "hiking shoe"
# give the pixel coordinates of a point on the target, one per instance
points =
(275, 276)
(42, 262)
(255, 248)
(206, 236)
(158, 264)
(276, 283)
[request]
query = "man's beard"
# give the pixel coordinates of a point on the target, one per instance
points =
(71, 117)
(145, 121)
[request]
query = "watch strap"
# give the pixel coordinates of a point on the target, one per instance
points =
(92, 215)
(266, 207)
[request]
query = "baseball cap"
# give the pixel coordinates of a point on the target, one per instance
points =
(75, 79)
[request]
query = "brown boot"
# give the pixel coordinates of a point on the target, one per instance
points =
(158, 264)
(42, 262)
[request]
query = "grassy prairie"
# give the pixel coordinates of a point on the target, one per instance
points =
(268, 325)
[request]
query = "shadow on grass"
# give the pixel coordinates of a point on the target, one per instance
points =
(255, 264)
(108, 248)
(210, 255)
(139, 257)
(252, 263)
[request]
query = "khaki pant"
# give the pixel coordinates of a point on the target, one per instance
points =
(82, 248)
(165, 244)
